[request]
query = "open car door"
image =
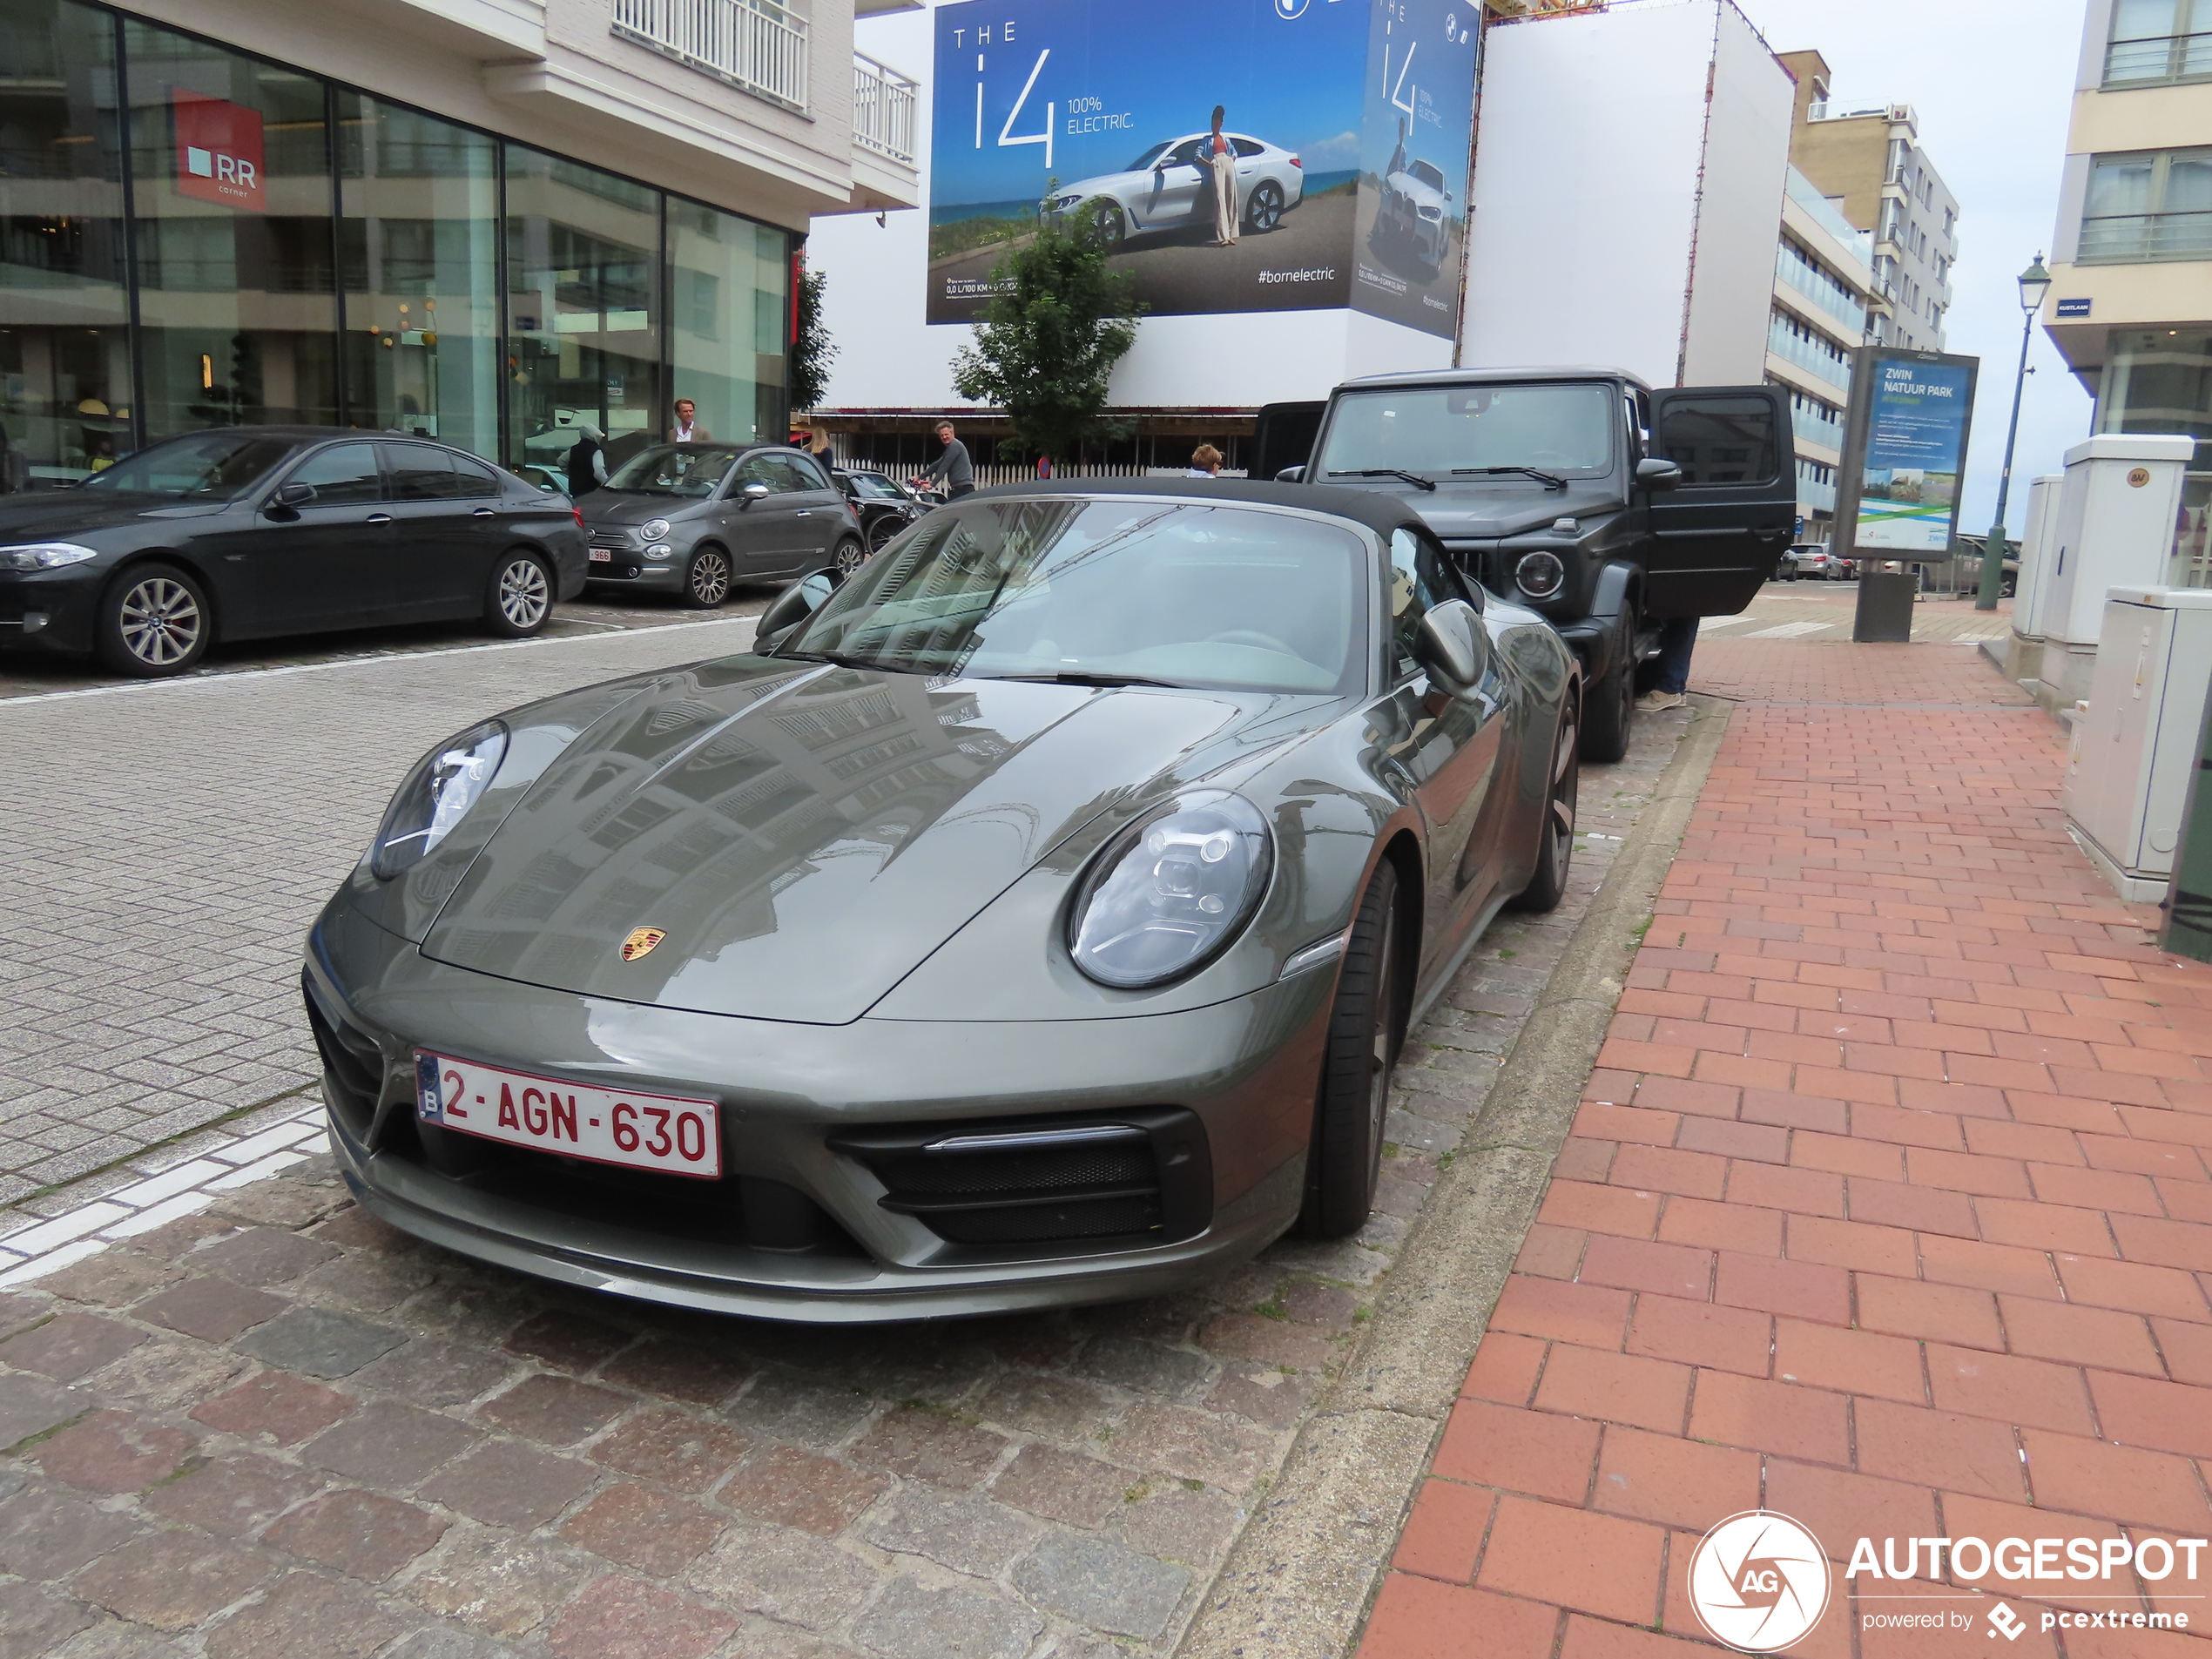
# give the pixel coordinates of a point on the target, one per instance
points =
(1715, 536)
(1283, 436)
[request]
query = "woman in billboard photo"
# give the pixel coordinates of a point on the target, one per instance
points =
(1225, 205)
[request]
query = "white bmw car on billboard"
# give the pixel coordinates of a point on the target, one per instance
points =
(1169, 187)
(1415, 205)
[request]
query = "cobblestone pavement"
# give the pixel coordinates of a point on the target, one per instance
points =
(168, 845)
(268, 1426)
(1888, 1207)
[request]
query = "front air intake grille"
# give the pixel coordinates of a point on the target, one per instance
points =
(353, 1065)
(1144, 1178)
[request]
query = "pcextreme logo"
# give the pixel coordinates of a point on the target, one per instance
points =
(1760, 1581)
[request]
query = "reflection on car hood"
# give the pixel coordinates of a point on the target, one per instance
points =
(53, 515)
(620, 506)
(804, 836)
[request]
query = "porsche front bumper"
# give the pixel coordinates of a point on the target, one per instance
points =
(795, 1101)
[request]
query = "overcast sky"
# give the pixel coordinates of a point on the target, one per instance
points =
(1992, 82)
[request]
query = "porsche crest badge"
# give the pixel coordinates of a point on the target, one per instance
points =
(641, 942)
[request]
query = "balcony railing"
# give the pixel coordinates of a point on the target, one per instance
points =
(1811, 358)
(755, 46)
(2164, 58)
(884, 103)
(2121, 238)
(1836, 300)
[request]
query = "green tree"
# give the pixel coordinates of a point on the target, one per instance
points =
(1046, 349)
(814, 351)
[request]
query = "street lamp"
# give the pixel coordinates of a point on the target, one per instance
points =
(2035, 282)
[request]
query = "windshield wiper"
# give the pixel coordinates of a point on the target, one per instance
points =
(1412, 478)
(1546, 479)
(840, 659)
(1084, 676)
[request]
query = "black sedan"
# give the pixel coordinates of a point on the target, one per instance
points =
(886, 506)
(249, 532)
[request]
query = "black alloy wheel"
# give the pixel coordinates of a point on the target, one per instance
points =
(706, 579)
(1107, 223)
(1611, 705)
(521, 600)
(1556, 833)
(1264, 211)
(153, 622)
(1344, 1162)
(849, 557)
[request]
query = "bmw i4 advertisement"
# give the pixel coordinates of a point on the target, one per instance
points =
(1255, 155)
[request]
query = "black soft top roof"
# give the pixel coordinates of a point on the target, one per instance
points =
(1378, 510)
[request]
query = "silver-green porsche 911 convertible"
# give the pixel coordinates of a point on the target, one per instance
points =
(1031, 920)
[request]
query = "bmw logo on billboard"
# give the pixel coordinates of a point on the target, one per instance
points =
(1287, 10)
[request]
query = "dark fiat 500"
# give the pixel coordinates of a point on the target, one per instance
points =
(692, 518)
(248, 532)
(1033, 922)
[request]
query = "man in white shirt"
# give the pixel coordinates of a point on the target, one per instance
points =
(686, 429)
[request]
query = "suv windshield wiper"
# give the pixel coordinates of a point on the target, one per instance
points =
(1544, 478)
(1084, 676)
(1412, 478)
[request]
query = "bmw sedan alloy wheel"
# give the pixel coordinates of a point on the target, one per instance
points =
(525, 596)
(161, 622)
(706, 580)
(1265, 210)
(1108, 225)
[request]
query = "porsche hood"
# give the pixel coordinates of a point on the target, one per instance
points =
(800, 838)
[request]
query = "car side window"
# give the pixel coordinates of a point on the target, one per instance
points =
(419, 473)
(1420, 577)
(808, 474)
(1721, 440)
(1187, 153)
(1246, 147)
(473, 477)
(760, 469)
(343, 476)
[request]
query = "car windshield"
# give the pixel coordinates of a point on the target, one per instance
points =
(1147, 158)
(207, 466)
(1563, 429)
(876, 486)
(691, 470)
(1426, 173)
(1117, 590)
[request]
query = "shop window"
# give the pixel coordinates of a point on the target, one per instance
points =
(66, 382)
(418, 228)
(583, 309)
(729, 275)
(230, 183)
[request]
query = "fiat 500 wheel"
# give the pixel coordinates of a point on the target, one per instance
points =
(849, 558)
(706, 579)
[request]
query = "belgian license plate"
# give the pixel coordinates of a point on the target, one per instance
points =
(663, 1132)
(602, 556)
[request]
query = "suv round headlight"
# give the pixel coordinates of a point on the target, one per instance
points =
(653, 530)
(1170, 892)
(435, 796)
(1540, 574)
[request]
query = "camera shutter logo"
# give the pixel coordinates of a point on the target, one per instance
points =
(1759, 1582)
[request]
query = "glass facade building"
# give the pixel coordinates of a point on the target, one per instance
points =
(191, 237)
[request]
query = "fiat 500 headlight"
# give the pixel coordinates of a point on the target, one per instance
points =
(653, 530)
(436, 795)
(1170, 892)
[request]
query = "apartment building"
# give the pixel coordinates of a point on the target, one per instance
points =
(1871, 162)
(2131, 295)
(1824, 297)
(488, 221)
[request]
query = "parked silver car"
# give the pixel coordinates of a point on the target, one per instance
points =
(1167, 188)
(1813, 559)
(1416, 205)
(692, 518)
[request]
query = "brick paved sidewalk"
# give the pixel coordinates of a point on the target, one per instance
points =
(1888, 1208)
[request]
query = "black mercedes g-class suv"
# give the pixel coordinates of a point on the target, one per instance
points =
(1579, 493)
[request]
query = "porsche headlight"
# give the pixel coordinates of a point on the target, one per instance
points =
(44, 555)
(653, 530)
(437, 794)
(1171, 890)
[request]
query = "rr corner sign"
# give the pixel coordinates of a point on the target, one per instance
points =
(218, 151)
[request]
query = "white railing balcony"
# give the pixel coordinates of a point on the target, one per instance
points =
(755, 46)
(884, 108)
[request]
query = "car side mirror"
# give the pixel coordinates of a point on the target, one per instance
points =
(793, 606)
(286, 503)
(752, 493)
(1655, 472)
(1291, 475)
(1453, 644)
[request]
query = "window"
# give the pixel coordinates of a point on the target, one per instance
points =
(765, 466)
(421, 473)
(2151, 205)
(343, 476)
(2159, 40)
(1247, 147)
(1721, 440)
(1421, 578)
(732, 282)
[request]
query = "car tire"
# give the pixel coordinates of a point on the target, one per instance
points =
(1107, 223)
(518, 602)
(1555, 831)
(1264, 212)
(153, 621)
(846, 558)
(1609, 705)
(1343, 1161)
(706, 579)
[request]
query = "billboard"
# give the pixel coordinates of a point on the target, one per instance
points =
(1346, 131)
(1905, 451)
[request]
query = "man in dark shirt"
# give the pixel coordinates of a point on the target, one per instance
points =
(952, 467)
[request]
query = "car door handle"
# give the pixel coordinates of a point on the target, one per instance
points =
(482, 512)
(803, 512)
(378, 518)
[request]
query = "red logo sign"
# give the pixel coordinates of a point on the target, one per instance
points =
(218, 151)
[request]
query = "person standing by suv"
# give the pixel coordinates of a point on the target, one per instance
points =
(952, 467)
